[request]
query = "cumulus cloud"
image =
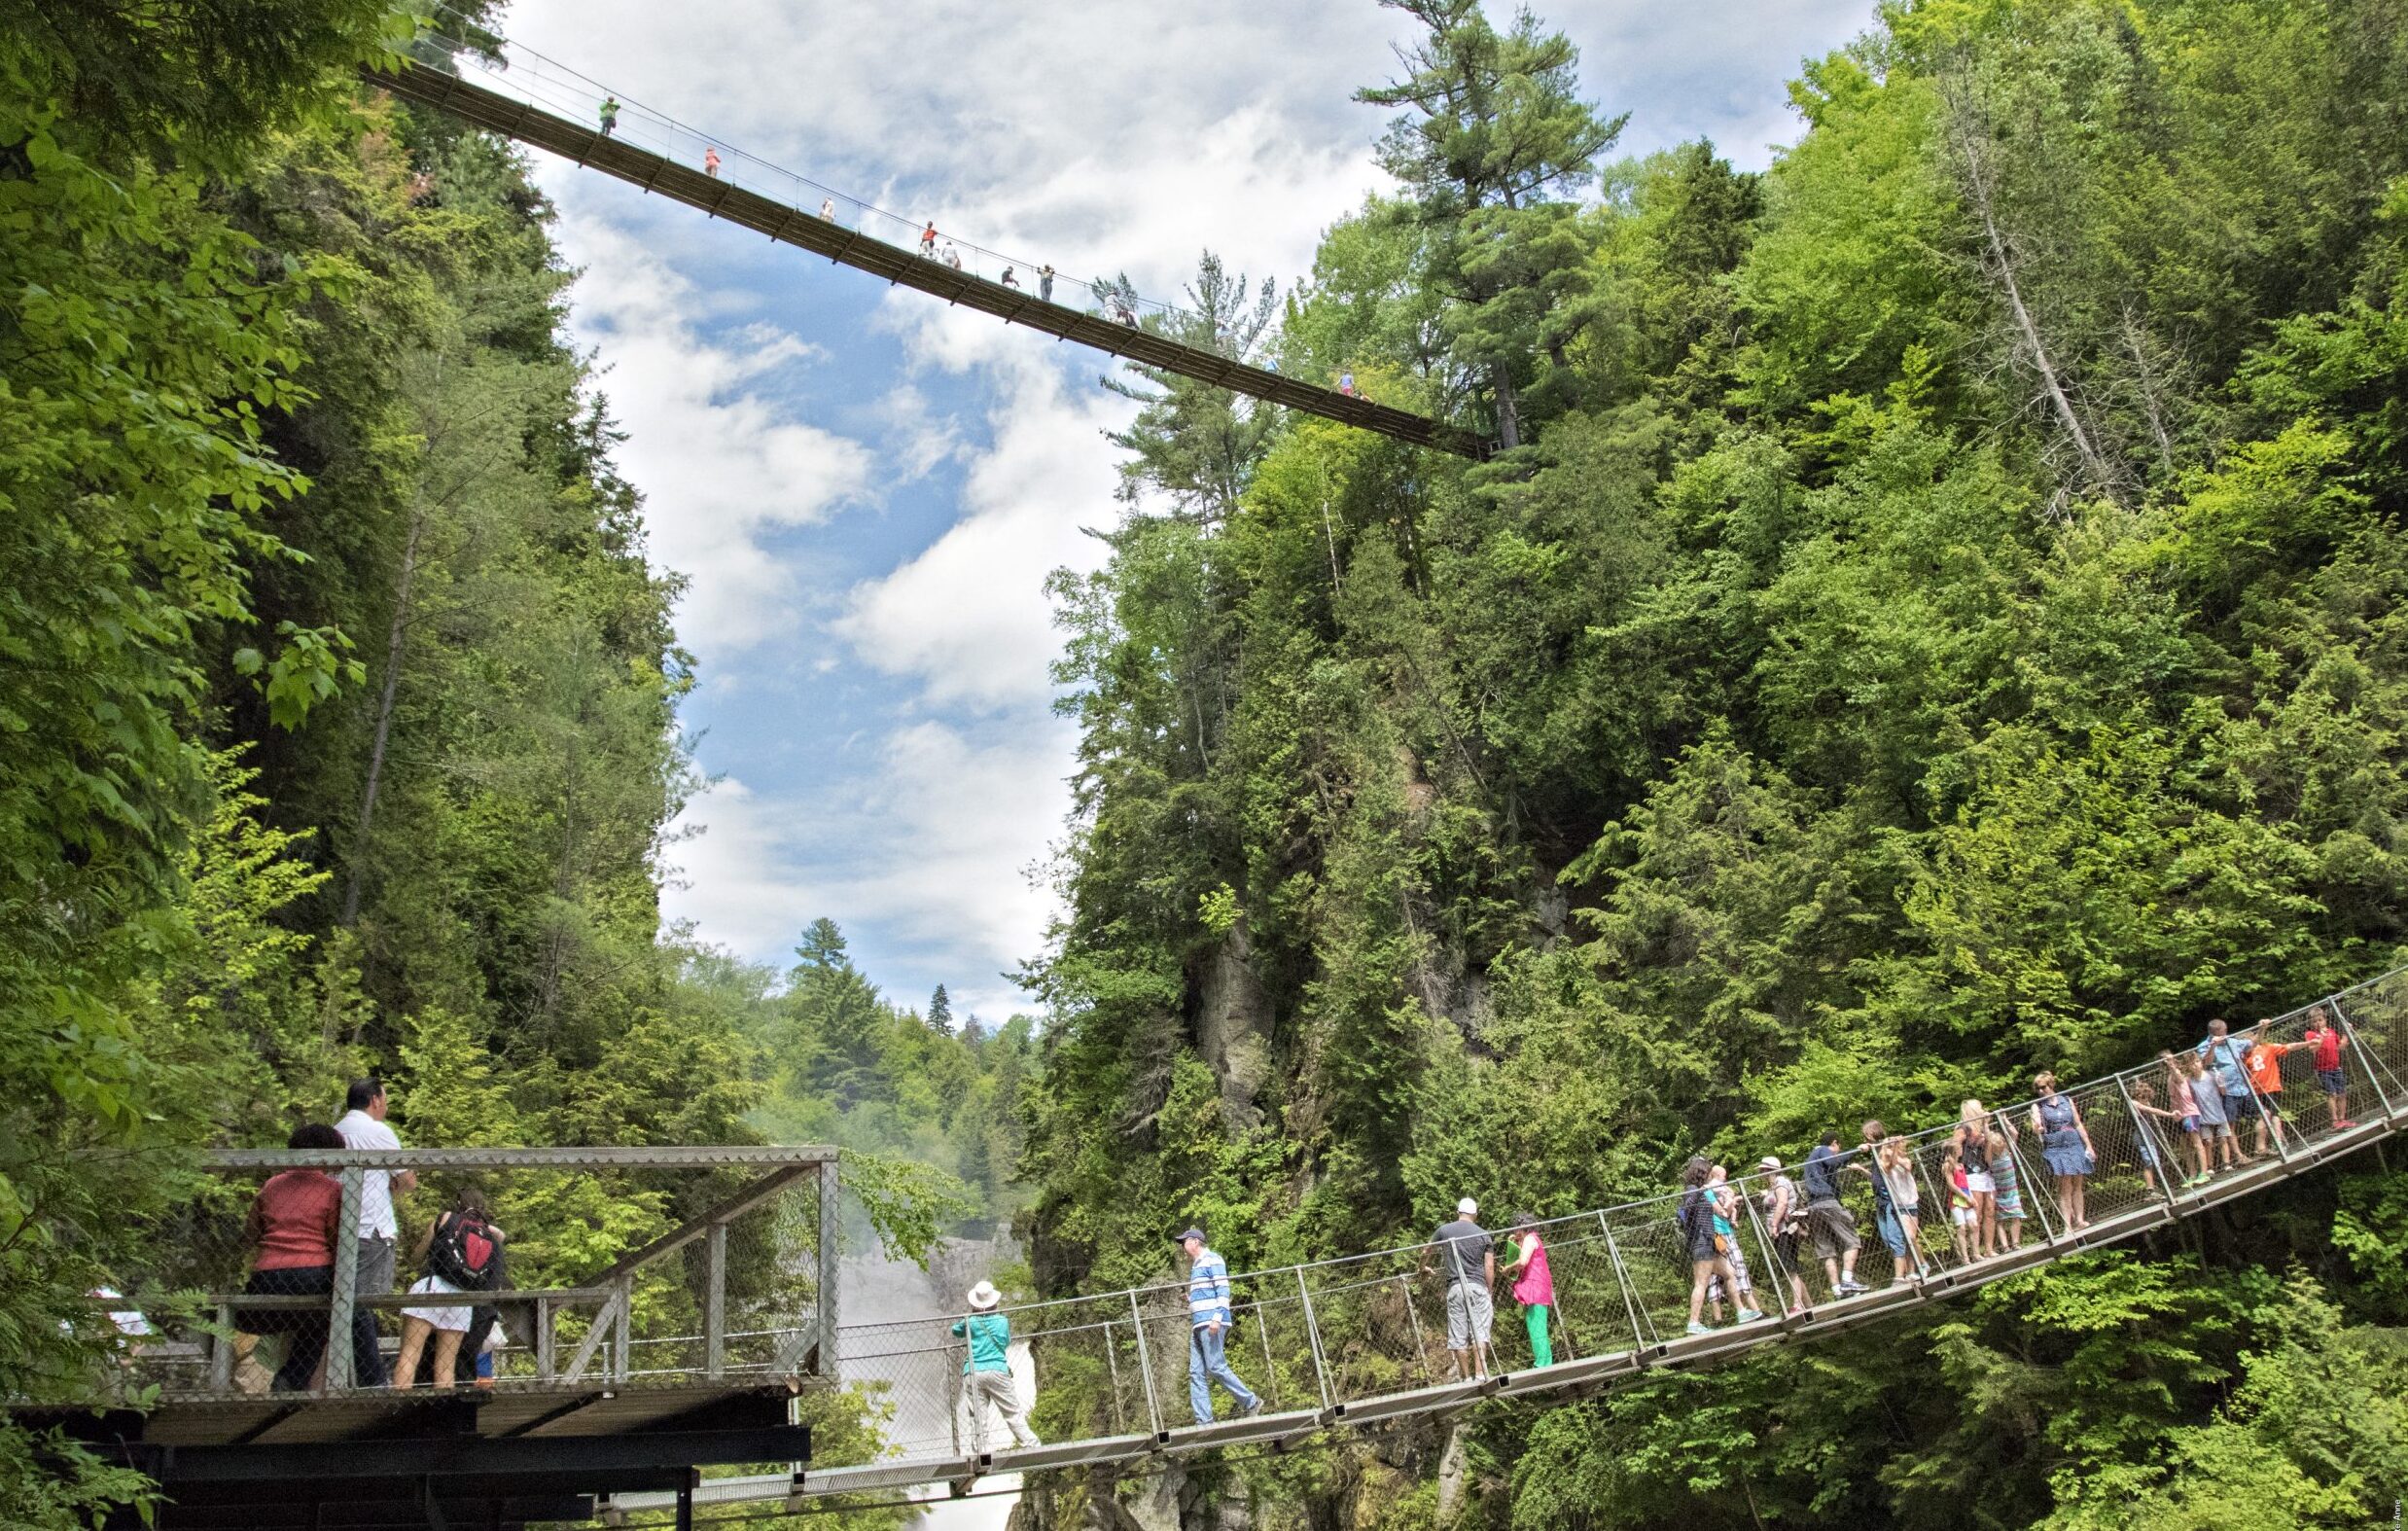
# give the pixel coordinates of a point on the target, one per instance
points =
(924, 859)
(967, 621)
(722, 461)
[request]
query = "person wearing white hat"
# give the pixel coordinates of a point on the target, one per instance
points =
(1471, 1258)
(986, 1376)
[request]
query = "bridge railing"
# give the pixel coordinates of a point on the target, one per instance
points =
(1343, 1335)
(619, 1266)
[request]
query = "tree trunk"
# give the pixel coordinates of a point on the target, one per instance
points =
(1509, 419)
(384, 714)
(2002, 261)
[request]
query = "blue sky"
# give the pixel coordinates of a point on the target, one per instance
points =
(866, 488)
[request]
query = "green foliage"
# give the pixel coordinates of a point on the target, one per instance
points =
(1945, 621)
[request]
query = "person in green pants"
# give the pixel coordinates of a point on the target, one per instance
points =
(1533, 1285)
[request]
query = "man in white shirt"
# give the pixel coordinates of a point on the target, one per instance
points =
(362, 1127)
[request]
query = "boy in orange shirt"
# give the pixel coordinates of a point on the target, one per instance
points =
(2264, 1064)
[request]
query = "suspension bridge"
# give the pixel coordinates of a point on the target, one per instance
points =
(505, 89)
(614, 1389)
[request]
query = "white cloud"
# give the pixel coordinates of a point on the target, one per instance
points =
(721, 461)
(968, 620)
(924, 860)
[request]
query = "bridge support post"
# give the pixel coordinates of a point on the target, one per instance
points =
(2365, 1058)
(1420, 1347)
(715, 1304)
(1312, 1333)
(1639, 1335)
(1145, 1366)
(340, 1304)
(831, 1222)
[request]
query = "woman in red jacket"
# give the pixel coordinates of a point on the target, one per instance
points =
(295, 1220)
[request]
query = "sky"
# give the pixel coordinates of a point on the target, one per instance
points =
(865, 489)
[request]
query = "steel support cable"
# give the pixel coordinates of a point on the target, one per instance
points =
(969, 275)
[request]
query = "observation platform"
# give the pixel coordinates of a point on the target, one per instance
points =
(609, 1374)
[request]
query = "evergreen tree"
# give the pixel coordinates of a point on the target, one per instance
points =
(940, 1011)
(1494, 137)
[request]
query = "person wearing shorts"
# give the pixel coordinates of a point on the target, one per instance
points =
(2324, 1037)
(1469, 1259)
(2226, 1057)
(2216, 1125)
(1831, 1226)
(1972, 1142)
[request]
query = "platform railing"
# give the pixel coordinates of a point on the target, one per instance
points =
(1363, 1336)
(618, 1267)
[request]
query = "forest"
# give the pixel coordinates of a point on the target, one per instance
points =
(1935, 615)
(337, 693)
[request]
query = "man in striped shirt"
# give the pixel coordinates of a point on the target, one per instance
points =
(1209, 1318)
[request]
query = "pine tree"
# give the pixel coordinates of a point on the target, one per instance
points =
(1493, 136)
(940, 1011)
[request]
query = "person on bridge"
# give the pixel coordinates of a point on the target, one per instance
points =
(1533, 1285)
(2065, 1147)
(1972, 1140)
(986, 1376)
(1010, 280)
(2264, 1066)
(2225, 1055)
(952, 256)
(710, 163)
(1784, 1218)
(1044, 283)
(928, 240)
(2216, 1125)
(827, 209)
(461, 1251)
(1709, 1251)
(294, 1221)
(2325, 1036)
(1471, 1257)
(2183, 1101)
(2009, 1191)
(1833, 1227)
(362, 1127)
(609, 114)
(1209, 1318)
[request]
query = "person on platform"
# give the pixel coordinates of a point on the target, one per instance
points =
(710, 163)
(1533, 1285)
(362, 1127)
(2324, 1037)
(1470, 1257)
(295, 1222)
(608, 114)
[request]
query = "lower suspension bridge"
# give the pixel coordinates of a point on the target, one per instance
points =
(621, 1393)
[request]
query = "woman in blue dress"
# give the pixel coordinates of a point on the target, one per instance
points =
(2065, 1145)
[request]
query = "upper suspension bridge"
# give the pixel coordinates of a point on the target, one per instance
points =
(612, 1390)
(513, 91)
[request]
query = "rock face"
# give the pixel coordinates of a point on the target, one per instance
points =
(1233, 1021)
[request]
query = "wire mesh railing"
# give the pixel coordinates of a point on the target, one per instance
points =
(1783, 1243)
(497, 1267)
(459, 46)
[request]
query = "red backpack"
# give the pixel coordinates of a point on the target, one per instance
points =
(466, 1253)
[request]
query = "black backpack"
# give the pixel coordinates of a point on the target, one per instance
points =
(467, 1252)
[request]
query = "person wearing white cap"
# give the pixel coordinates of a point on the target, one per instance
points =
(986, 1376)
(1471, 1258)
(1209, 1317)
(1784, 1218)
